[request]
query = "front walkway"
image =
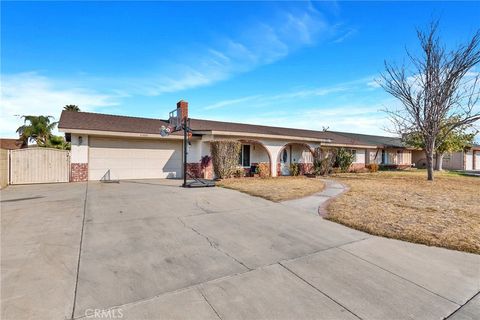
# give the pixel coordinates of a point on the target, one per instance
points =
(150, 250)
(317, 203)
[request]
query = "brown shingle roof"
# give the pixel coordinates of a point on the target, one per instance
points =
(106, 122)
(207, 125)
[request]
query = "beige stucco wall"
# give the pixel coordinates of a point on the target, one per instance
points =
(300, 154)
(359, 156)
(79, 151)
(258, 153)
(3, 168)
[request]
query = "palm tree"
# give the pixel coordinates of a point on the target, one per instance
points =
(71, 107)
(37, 129)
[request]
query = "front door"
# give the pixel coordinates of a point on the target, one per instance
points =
(285, 163)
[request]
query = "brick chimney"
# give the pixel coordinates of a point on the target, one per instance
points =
(183, 106)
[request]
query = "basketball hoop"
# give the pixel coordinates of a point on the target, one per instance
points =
(174, 123)
(165, 130)
(178, 120)
(175, 119)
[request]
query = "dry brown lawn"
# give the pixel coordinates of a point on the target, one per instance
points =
(405, 206)
(275, 189)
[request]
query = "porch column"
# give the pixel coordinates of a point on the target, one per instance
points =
(273, 151)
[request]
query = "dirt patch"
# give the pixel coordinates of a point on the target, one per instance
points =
(275, 189)
(405, 206)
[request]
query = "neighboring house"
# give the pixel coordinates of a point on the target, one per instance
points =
(468, 159)
(12, 144)
(132, 148)
(5, 145)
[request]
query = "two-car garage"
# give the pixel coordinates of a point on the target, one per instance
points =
(129, 158)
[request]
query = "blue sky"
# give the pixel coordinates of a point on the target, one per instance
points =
(296, 64)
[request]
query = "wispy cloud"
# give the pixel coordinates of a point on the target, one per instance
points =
(225, 103)
(356, 118)
(263, 42)
(347, 34)
(30, 93)
(302, 93)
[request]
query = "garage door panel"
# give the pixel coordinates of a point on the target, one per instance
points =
(134, 158)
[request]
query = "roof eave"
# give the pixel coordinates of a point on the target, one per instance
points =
(119, 133)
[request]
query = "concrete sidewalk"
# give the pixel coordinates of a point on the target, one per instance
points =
(153, 250)
(317, 203)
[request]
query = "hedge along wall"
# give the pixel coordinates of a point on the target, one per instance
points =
(225, 157)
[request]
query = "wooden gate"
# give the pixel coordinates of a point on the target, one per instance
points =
(39, 165)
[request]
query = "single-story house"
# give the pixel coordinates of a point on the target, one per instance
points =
(132, 148)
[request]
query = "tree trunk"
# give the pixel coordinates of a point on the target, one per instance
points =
(439, 161)
(429, 155)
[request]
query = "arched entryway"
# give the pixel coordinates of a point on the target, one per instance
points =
(252, 154)
(295, 153)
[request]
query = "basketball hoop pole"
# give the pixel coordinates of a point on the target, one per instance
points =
(185, 142)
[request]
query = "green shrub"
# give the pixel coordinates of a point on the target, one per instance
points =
(324, 159)
(372, 167)
(263, 170)
(344, 159)
(225, 157)
(294, 169)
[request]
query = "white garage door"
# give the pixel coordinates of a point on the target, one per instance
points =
(469, 161)
(134, 158)
(477, 160)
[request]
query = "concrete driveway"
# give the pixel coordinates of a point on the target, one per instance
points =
(153, 250)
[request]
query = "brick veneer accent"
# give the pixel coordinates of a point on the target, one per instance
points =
(78, 172)
(195, 169)
(305, 168)
(357, 166)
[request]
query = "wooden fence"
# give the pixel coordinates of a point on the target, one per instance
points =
(3, 168)
(39, 165)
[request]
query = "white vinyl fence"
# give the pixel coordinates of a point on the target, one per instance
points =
(39, 165)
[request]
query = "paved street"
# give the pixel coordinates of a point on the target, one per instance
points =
(148, 249)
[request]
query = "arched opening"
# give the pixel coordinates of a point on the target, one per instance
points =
(252, 154)
(295, 153)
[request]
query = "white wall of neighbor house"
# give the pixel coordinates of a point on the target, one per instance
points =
(79, 148)
(453, 161)
(469, 160)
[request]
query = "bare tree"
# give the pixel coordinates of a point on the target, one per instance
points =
(438, 94)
